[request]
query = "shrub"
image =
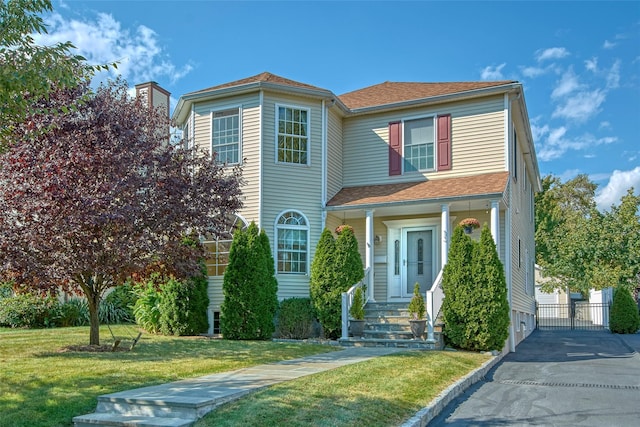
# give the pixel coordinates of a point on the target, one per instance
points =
(624, 317)
(29, 310)
(249, 287)
(336, 267)
(183, 307)
(147, 307)
(74, 312)
(475, 307)
(117, 306)
(322, 281)
(416, 305)
(357, 306)
(296, 318)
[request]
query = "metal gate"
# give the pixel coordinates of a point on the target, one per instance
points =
(577, 315)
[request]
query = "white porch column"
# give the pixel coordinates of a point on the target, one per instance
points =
(445, 234)
(369, 253)
(495, 223)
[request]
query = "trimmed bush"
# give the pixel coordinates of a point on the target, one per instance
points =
(249, 287)
(475, 307)
(416, 306)
(322, 281)
(357, 306)
(296, 319)
(624, 317)
(183, 307)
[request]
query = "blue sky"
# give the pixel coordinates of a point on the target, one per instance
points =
(579, 62)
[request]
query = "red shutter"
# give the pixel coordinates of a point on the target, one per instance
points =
(395, 148)
(444, 142)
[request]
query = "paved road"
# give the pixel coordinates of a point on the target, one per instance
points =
(557, 378)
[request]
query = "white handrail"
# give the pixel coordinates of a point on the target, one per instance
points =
(347, 301)
(434, 298)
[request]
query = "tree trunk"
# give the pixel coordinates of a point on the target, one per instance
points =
(93, 299)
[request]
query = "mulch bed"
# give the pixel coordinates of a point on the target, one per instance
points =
(92, 348)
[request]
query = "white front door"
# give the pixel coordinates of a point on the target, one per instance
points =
(418, 259)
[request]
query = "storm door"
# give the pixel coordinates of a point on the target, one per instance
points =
(418, 260)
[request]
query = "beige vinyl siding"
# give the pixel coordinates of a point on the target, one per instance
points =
(214, 292)
(250, 144)
(334, 157)
(292, 186)
(477, 132)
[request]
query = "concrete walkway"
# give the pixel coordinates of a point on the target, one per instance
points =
(180, 403)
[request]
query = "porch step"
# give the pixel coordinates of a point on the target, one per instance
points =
(104, 419)
(398, 343)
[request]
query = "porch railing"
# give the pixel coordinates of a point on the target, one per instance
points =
(434, 299)
(347, 301)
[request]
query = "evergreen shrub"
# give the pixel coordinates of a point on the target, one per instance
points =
(416, 306)
(296, 319)
(28, 310)
(250, 287)
(475, 307)
(624, 317)
(183, 307)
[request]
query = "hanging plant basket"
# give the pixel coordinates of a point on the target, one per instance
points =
(469, 224)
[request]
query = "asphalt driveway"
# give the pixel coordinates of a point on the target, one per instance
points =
(557, 378)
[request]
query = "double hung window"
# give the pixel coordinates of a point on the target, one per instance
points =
(419, 144)
(292, 135)
(225, 135)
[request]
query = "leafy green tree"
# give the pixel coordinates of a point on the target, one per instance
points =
(624, 317)
(249, 287)
(457, 285)
(29, 72)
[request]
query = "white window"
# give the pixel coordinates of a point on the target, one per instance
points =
(292, 248)
(292, 135)
(419, 147)
(218, 249)
(225, 135)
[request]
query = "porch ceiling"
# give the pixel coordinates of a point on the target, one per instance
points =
(461, 193)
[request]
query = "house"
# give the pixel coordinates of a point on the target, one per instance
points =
(402, 163)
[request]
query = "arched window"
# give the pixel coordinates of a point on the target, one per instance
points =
(292, 243)
(218, 249)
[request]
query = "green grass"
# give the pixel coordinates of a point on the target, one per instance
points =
(42, 386)
(380, 392)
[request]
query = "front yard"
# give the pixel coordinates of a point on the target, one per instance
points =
(43, 385)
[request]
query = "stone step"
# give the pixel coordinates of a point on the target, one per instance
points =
(120, 420)
(380, 319)
(390, 335)
(397, 343)
(400, 326)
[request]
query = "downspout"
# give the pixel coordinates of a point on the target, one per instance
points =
(260, 159)
(323, 189)
(508, 223)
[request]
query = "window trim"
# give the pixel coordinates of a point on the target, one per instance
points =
(277, 119)
(216, 242)
(218, 110)
(434, 118)
(306, 228)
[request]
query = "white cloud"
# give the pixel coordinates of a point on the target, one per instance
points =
(551, 53)
(608, 45)
(613, 76)
(580, 106)
(617, 187)
(604, 125)
(493, 73)
(103, 40)
(554, 143)
(591, 64)
(568, 83)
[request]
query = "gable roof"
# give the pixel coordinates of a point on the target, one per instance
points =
(395, 92)
(422, 191)
(264, 77)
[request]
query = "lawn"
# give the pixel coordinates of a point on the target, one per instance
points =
(380, 392)
(40, 385)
